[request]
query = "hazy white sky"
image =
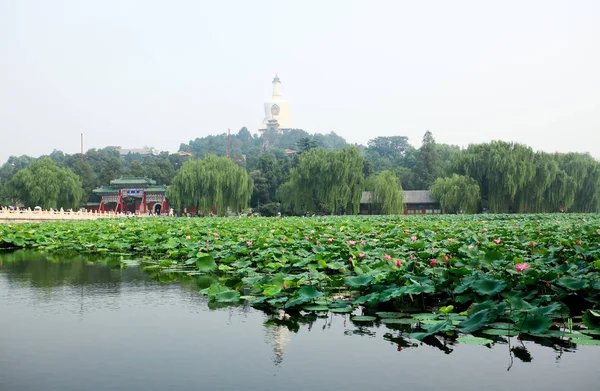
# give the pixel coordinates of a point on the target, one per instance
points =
(158, 73)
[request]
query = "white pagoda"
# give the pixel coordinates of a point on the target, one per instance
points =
(277, 110)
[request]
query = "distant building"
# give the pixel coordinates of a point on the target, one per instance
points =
(131, 194)
(146, 151)
(416, 202)
(277, 111)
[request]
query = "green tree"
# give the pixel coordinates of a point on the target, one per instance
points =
(386, 192)
(47, 185)
(161, 170)
(429, 166)
(325, 182)
(111, 169)
(136, 169)
(211, 182)
(457, 193)
(306, 144)
(501, 169)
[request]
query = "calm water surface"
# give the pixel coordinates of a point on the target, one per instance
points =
(70, 324)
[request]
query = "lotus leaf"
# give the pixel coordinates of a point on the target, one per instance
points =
(571, 283)
(315, 308)
(474, 340)
(228, 296)
(359, 281)
(500, 332)
(488, 286)
(364, 318)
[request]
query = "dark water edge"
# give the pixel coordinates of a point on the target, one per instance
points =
(70, 323)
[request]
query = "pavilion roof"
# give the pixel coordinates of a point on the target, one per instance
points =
(133, 180)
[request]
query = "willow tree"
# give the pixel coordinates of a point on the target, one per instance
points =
(211, 182)
(501, 169)
(386, 193)
(47, 185)
(457, 193)
(584, 172)
(325, 181)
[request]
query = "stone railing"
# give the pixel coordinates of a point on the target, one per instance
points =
(28, 215)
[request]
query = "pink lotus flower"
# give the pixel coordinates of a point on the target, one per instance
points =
(362, 242)
(386, 257)
(413, 238)
(317, 242)
(330, 240)
(351, 242)
(450, 240)
(410, 256)
(579, 242)
(398, 263)
(188, 237)
(249, 243)
(283, 239)
(532, 243)
(433, 262)
(407, 231)
(306, 238)
(284, 286)
(497, 241)
(312, 231)
(361, 255)
(446, 258)
(470, 246)
(350, 259)
(521, 266)
(283, 251)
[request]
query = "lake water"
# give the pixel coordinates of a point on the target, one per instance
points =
(72, 324)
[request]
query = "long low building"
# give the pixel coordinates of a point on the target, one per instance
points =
(416, 202)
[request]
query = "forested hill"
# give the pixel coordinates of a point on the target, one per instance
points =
(498, 176)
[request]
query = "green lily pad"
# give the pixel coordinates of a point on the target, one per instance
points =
(345, 310)
(474, 340)
(229, 296)
(590, 331)
(535, 323)
(577, 336)
(588, 342)
(488, 286)
(364, 318)
(571, 283)
(359, 281)
(432, 321)
(425, 316)
(399, 321)
(391, 314)
(502, 325)
(476, 321)
(315, 308)
(500, 332)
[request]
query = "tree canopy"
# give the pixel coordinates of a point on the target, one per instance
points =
(45, 184)
(211, 182)
(325, 182)
(456, 193)
(387, 193)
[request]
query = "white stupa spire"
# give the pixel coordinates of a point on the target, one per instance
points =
(277, 110)
(276, 87)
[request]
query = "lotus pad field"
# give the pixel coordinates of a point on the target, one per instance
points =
(486, 275)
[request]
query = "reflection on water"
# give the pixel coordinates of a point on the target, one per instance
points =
(69, 323)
